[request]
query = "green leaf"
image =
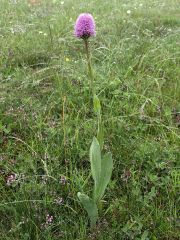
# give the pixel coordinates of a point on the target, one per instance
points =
(97, 105)
(106, 172)
(100, 135)
(90, 206)
(95, 159)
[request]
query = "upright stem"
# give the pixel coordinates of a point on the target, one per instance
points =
(89, 65)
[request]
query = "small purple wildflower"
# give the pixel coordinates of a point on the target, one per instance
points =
(11, 179)
(63, 180)
(59, 200)
(49, 220)
(85, 26)
(44, 179)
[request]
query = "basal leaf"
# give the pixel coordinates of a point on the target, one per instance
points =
(106, 172)
(90, 206)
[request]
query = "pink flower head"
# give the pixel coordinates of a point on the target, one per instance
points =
(85, 26)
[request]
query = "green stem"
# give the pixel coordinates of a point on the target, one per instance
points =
(89, 66)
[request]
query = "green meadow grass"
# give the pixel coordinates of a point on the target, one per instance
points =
(47, 122)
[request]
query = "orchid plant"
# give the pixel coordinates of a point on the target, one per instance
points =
(101, 164)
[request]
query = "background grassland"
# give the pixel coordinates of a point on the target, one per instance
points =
(47, 122)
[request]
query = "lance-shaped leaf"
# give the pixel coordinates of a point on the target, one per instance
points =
(90, 206)
(97, 105)
(95, 159)
(106, 172)
(100, 135)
